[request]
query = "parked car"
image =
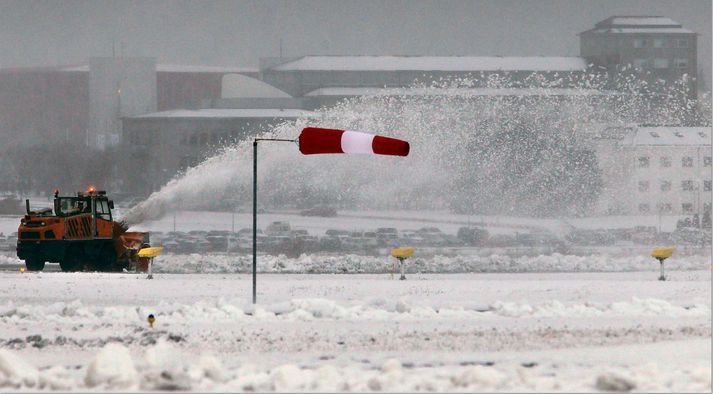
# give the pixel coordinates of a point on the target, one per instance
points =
(473, 236)
(327, 212)
(278, 228)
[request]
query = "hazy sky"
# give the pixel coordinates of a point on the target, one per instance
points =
(237, 33)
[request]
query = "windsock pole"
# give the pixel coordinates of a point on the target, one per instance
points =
(255, 141)
(254, 221)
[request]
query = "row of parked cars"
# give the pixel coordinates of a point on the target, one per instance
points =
(281, 238)
(640, 235)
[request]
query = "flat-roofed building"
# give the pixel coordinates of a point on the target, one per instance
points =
(657, 45)
(159, 145)
(302, 75)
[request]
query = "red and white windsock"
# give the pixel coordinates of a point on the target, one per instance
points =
(315, 140)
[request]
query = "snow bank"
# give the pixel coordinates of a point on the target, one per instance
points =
(217, 263)
(305, 309)
(176, 371)
(112, 368)
(5, 259)
(16, 372)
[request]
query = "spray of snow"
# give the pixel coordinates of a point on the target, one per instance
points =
(443, 121)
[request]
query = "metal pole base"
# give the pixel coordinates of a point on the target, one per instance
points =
(150, 269)
(403, 275)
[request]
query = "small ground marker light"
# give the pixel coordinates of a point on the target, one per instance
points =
(402, 254)
(151, 319)
(662, 254)
(22, 270)
(150, 253)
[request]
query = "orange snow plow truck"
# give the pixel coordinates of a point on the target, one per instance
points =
(80, 234)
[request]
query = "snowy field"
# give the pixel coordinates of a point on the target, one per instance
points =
(360, 332)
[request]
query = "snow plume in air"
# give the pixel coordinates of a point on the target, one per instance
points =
(490, 144)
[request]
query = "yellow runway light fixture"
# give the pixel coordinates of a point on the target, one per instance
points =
(662, 254)
(402, 254)
(151, 319)
(150, 253)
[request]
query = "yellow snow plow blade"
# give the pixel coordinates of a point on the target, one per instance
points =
(402, 253)
(151, 252)
(662, 253)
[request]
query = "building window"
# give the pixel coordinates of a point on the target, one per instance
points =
(687, 161)
(707, 186)
(643, 186)
(660, 63)
(681, 62)
(640, 63)
(682, 43)
(687, 207)
(665, 186)
(659, 43)
(687, 186)
(707, 161)
(643, 208)
(665, 207)
(643, 162)
(665, 161)
(641, 43)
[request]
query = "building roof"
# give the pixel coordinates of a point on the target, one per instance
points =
(646, 30)
(639, 21)
(177, 68)
(229, 113)
(639, 24)
(433, 63)
(466, 92)
(671, 136)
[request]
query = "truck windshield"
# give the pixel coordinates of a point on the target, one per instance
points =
(67, 206)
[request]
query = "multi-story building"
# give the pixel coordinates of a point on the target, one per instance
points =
(671, 170)
(660, 46)
(83, 104)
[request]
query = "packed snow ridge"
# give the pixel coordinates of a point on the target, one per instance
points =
(318, 264)
(377, 309)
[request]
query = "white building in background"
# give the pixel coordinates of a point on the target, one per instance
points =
(671, 170)
(656, 170)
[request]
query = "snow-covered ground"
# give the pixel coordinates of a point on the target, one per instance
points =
(360, 332)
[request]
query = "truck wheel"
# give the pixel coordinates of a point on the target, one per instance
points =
(107, 260)
(34, 265)
(70, 266)
(74, 258)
